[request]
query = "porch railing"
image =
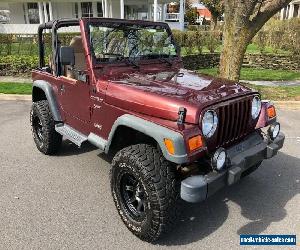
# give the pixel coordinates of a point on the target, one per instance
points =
(172, 16)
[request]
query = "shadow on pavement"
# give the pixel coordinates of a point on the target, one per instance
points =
(68, 148)
(262, 197)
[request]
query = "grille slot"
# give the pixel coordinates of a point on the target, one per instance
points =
(233, 121)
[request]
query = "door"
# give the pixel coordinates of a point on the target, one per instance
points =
(75, 98)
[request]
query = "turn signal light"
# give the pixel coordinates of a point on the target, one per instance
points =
(195, 142)
(169, 145)
(271, 112)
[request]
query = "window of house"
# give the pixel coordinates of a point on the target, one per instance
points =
(296, 10)
(86, 9)
(76, 10)
(99, 10)
(33, 13)
(4, 16)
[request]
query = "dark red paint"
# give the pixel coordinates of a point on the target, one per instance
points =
(154, 92)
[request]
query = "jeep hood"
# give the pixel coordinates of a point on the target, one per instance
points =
(161, 94)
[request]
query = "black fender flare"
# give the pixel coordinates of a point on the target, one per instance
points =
(157, 132)
(50, 95)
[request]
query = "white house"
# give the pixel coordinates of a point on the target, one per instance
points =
(290, 11)
(23, 16)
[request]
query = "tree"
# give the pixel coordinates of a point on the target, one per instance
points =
(216, 8)
(190, 13)
(243, 19)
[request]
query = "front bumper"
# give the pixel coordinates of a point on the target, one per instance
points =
(241, 157)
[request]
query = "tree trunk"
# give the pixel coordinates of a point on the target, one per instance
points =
(214, 22)
(236, 36)
(243, 19)
(234, 48)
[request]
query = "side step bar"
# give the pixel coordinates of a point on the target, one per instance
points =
(78, 138)
(71, 134)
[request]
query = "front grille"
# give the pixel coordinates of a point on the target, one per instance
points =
(233, 121)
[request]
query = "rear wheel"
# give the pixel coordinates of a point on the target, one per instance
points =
(145, 191)
(46, 139)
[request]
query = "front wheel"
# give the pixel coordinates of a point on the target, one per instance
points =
(46, 139)
(144, 190)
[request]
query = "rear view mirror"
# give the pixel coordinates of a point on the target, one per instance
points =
(67, 56)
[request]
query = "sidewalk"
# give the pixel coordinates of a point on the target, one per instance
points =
(15, 79)
(273, 83)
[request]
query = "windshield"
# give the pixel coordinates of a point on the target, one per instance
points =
(111, 42)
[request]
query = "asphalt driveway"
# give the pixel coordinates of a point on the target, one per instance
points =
(64, 201)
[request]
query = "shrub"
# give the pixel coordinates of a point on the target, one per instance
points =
(24, 44)
(261, 41)
(190, 15)
(200, 41)
(190, 42)
(178, 37)
(194, 41)
(276, 40)
(17, 64)
(280, 35)
(212, 41)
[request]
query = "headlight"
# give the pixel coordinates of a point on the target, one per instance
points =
(256, 106)
(209, 123)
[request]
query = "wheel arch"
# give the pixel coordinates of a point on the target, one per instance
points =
(42, 90)
(125, 136)
(152, 132)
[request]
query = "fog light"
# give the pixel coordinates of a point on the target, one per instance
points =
(274, 130)
(219, 159)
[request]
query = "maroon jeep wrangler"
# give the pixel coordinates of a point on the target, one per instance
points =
(120, 85)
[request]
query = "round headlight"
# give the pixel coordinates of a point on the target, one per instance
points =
(209, 123)
(256, 107)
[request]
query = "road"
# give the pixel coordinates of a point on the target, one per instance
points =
(64, 201)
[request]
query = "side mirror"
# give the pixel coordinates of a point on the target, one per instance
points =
(67, 55)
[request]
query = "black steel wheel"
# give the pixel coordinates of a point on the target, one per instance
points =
(37, 128)
(145, 191)
(133, 196)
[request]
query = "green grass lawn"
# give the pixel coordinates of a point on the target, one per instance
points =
(288, 93)
(253, 49)
(15, 88)
(260, 74)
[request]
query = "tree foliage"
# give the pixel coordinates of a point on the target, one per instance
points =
(216, 8)
(243, 19)
(190, 13)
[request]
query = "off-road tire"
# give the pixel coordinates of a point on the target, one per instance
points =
(158, 179)
(50, 141)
